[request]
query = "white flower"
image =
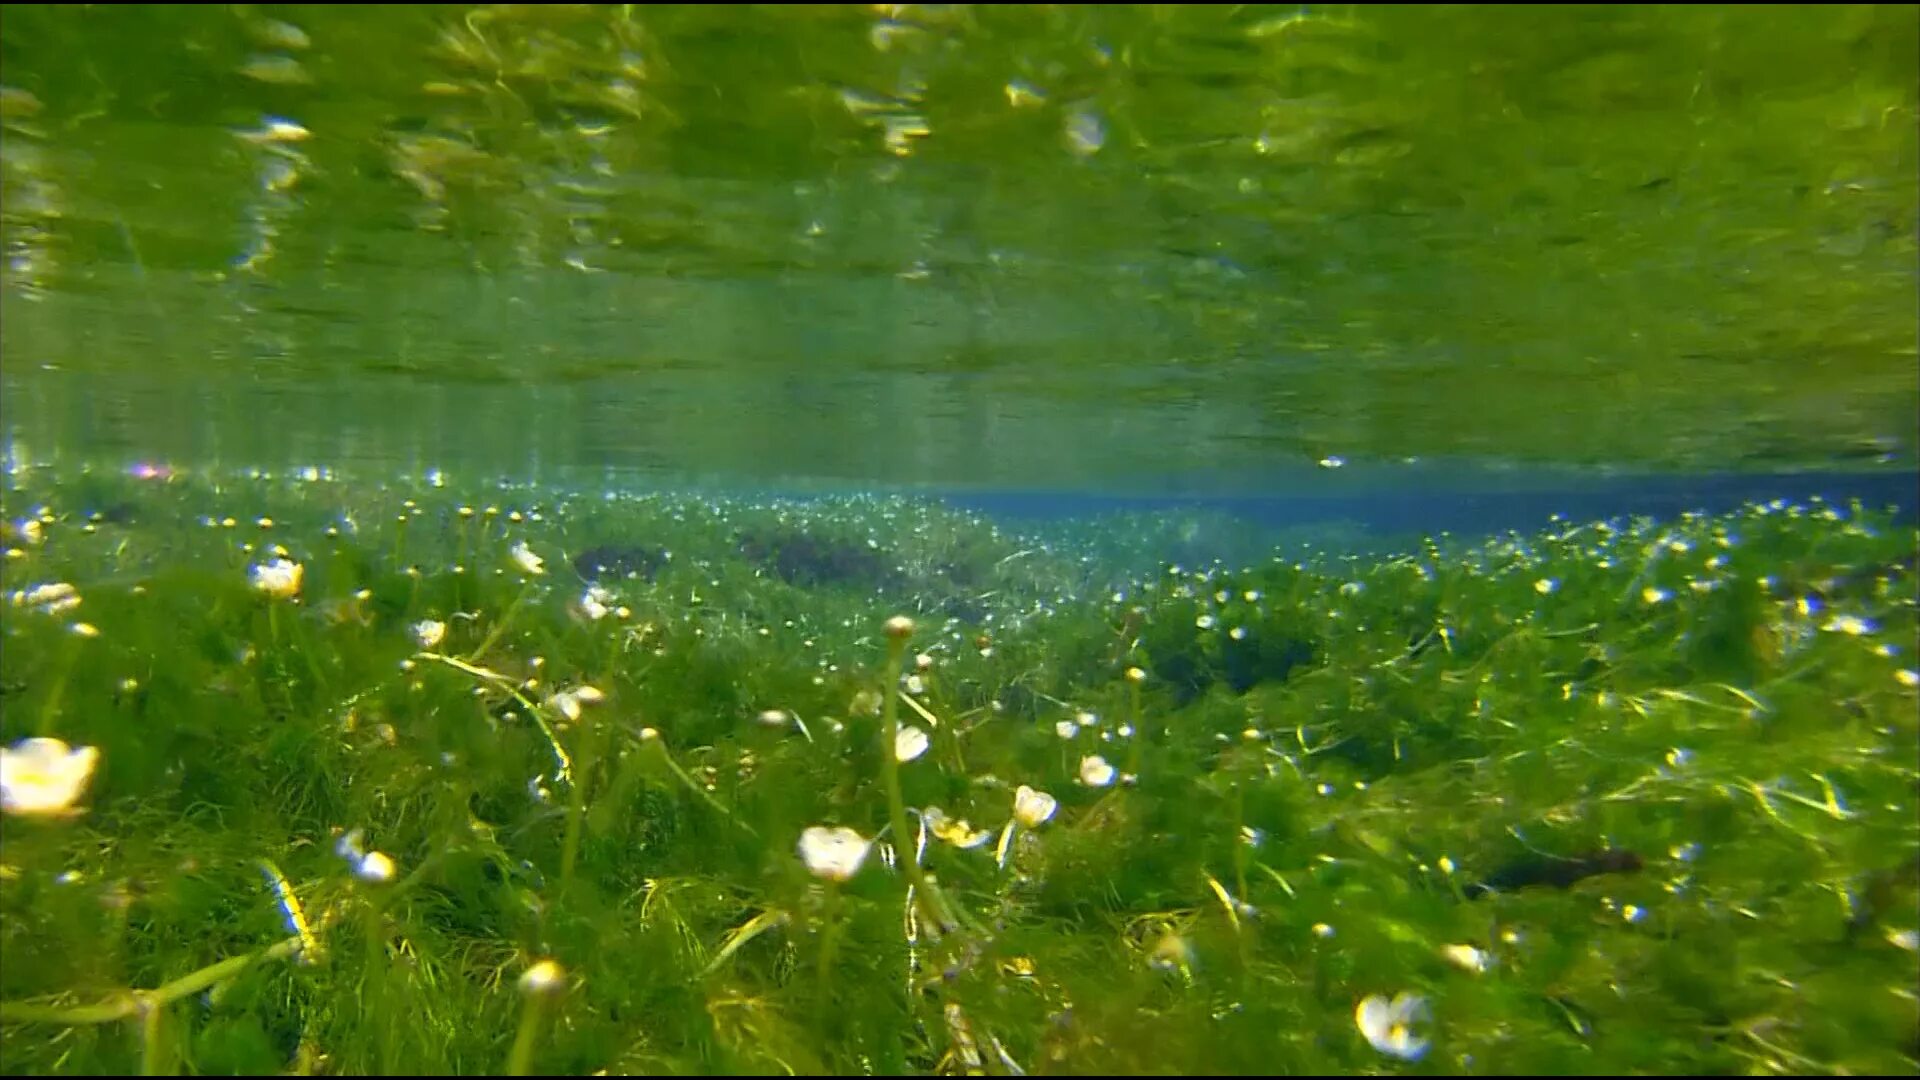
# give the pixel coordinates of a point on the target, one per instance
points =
(376, 867)
(429, 632)
(1545, 585)
(592, 604)
(1388, 1025)
(568, 702)
(279, 579)
(1095, 772)
(44, 777)
(545, 977)
(1466, 957)
(1066, 729)
(834, 854)
(1652, 595)
(1853, 625)
(1031, 808)
(527, 560)
(959, 833)
(909, 743)
(53, 599)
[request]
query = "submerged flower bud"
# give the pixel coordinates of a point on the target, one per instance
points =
(545, 977)
(44, 777)
(279, 579)
(1095, 772)
(528, 562)
(833, 854)
(1031, 808)
(910, 743)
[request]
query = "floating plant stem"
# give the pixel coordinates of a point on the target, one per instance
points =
(650, 737)
(829, 944)
(499, 628)
(50, 709)
(565, 773)
(153, 1056)
(127, 1004)
(747, 931)
(899, 629)
(577, 805)
(1135, 677)
(373, 988)
(540, 984)
(465, 514)
(1242, 843)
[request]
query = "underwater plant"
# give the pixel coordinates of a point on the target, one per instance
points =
(295, 805)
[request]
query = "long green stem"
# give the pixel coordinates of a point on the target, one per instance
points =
(577, 806)
(126, 1004)
(890, 778)
(50, 710)
(466, 538)
(1133, 722)
(520, 1058)
(500, 627)
(153, 1058)
(374, 988)
(695, 786)
(1240, 844)
(560, 756)
(829, 944)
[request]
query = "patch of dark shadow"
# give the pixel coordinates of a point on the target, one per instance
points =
(1560, 872)
(964, 608)
(119, 513)
(960, 574)
(1188, 662)
(1262, 658)
(799, 558)
(1875, 894)
(609, 561)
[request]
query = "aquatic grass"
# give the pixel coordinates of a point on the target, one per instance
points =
(1363, 780)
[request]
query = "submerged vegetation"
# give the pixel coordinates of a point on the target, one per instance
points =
(411, 780)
